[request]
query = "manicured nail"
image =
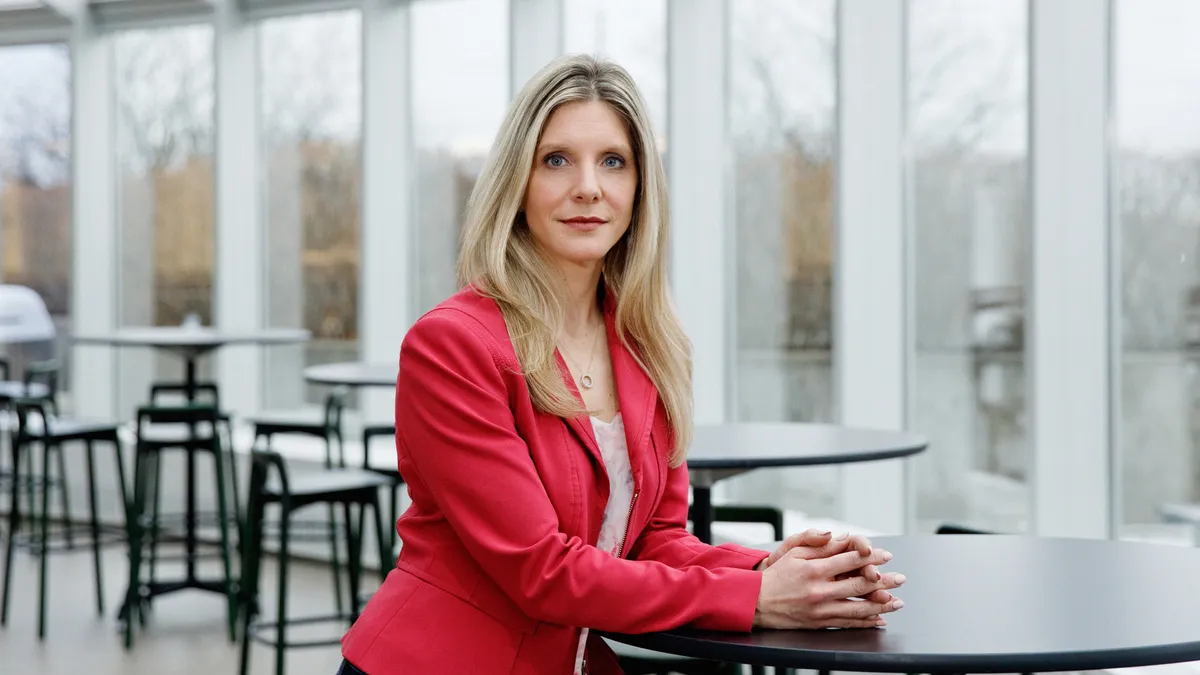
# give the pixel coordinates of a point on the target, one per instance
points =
(880, 622)
(826, 534)
(843, 536)
(899, 578)
(897, 604)
(887, 556)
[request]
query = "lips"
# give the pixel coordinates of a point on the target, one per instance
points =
(583, 223)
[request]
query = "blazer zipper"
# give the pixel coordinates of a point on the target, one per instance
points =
(628, 519)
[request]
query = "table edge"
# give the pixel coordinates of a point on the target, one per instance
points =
(1056, 661)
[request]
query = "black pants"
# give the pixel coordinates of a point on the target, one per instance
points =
(348, 668)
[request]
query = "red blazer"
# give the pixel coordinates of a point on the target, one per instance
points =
(498, 568)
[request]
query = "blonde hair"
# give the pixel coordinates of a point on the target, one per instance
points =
(500, 259)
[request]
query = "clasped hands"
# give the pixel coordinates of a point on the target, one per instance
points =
(815, 580)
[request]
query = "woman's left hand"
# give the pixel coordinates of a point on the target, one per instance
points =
(816, 544)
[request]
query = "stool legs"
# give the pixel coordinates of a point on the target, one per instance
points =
(226, 546)
(95, 522)
(44, 538)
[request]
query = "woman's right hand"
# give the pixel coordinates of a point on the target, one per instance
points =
(824, 593)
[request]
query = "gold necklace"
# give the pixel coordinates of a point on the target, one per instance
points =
(585, 378)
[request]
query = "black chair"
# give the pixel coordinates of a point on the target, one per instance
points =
(38, 425)
(197, 425)
(326, 425)
(370, 432)
(270, 483)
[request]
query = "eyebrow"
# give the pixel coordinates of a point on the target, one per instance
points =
(620, 149)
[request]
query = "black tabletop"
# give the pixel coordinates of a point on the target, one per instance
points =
(188, 337)
(988, 604)
(354, 374)
(750, 445)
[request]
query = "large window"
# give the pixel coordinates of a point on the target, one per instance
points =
(968, 113)
(311, 130)
(1157, 185)
(783, 115)
(631, 33)
(459, 98)
(164, 182)
(35, 203)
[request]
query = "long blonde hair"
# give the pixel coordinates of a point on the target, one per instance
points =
(500, 259)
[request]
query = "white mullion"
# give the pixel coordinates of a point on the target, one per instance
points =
(697, 73)
(239, 226)
(535, 38)
(870, 271)
(388, 265)
(1069, 329)
(93, 217)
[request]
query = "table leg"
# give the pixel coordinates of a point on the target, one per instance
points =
(702, 513)
(190, 524)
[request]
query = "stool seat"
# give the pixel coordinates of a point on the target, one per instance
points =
(326, 482)
(288, 418)
(14, 389)
(68, 429)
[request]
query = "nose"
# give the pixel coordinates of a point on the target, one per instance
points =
(587, 186)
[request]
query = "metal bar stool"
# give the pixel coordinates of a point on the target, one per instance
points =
(327, 425)
(198, 435)
(38, 425)
(347, 487)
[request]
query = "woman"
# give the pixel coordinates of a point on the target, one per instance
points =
(542, 415)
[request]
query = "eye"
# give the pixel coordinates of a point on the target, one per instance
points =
(555, 161)
(614, 162)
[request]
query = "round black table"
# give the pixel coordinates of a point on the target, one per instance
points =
(192, 342)
(721, 451)
(995, 604)
(354, 374)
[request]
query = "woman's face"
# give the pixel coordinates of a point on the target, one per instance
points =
(579, 199)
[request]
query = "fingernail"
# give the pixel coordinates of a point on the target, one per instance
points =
(899, 578)
(843, 536)
(897, 604)
(826, 534)
(887, 556)
(880, 622)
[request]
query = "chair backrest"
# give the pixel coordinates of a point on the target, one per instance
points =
(206, 392)
(28, 408)
(44, 373)
(262, 460)
(194, 414)
(335, 405)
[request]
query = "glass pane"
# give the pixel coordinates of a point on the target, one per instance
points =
(312, 129)
(633, 33)
(1157, 96)
(164, 90)
(35, 204)
(782, 120)
(968, 113)
(460, 96)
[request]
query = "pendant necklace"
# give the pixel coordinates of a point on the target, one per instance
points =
(585, 378)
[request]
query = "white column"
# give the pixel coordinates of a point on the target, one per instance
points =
(239, 224)
(94, 218)
(535, 38)
(871, 340)
(698, 158)
(1070, 334)
(386, 290)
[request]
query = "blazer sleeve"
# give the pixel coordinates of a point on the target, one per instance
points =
(667, 540)
(457, 436)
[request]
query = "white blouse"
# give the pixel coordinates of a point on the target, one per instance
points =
(610, 436)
